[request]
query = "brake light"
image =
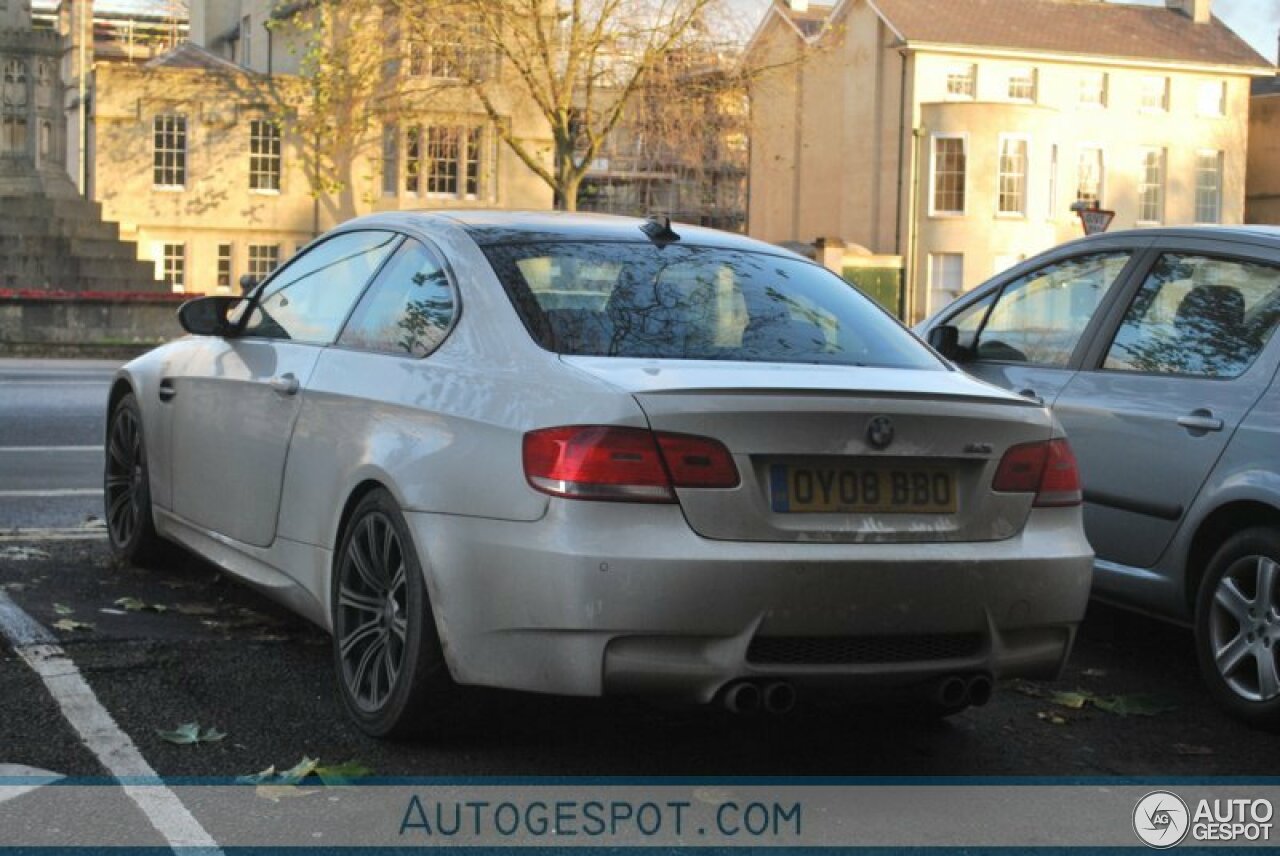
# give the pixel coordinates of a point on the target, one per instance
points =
(626, 464)
(1048, 469)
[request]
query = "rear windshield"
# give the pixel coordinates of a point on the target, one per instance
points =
(697, 303)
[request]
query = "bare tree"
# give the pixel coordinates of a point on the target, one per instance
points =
(580, 62)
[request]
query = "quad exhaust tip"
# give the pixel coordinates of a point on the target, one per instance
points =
(958, 690)
(775, 697)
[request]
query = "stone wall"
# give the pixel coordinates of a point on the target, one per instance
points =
(106, 325)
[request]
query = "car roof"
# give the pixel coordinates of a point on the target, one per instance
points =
(1256, 234)
(487, 228)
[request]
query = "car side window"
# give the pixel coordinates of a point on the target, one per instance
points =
(308, 299)
(1198, 316)
(1039, 317)
(409, 308)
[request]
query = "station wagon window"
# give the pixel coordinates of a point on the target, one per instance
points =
(1198, 316)
(407, 310)
(1039, 317)
(308, 299)
(631, 299)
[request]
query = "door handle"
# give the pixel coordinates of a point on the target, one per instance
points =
(167, 392)
(1031, 394)
(1200, 421)
(285, 384)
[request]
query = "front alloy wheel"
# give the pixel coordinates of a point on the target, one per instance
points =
(386, 651)
(1238, 626)
(126, 486)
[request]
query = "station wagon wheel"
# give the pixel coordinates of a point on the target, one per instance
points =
(126, 486)
(386, 651)
(1238, 626)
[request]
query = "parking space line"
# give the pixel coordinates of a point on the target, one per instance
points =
(74, 533)
(39, 649)
(50, 493)
(26, 450)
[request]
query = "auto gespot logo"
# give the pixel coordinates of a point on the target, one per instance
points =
(1161, 819)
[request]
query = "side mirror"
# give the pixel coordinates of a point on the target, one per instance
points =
(207, 316)
(945, 339)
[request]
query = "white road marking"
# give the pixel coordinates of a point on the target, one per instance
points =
(27, 450)
(103, 382)
(68, 534)
(52, 492)
(21, 771)
(39, 649)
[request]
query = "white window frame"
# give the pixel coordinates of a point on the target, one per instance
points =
(933, 173)
(1102, 169)
(1219, 158)
(1144, 185)
(263, 165)
(1163, 106)
(1025, 139)
(1027, 73)
(1103, 81)
(935, 287)
(1219, 108)
(246, 40)
(1051, 203)
(172, 154)
(174, 266)
(254, 258)
(961, 71)
(229, 258)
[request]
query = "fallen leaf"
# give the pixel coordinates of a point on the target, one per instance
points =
(1188, 749)
(189, 732)
(196, 609)
(107, 611)
(258, 777)
(62, 609)
(1138, 704)
(275, 793)
(299, 771)
(133, 604)
(1051, 718)
(1075, 701)
(70, 625)
(1027, 689)
(1095, 673)
(342, 774)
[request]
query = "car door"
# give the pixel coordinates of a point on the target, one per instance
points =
(1026, 333)
(236, 400)
(1178, 365)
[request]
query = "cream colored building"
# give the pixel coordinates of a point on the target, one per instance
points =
(189, 156)
(959, 133)
(1262, 203)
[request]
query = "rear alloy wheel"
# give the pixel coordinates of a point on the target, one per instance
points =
(1238, 626)
(127, 487)
(386, 651)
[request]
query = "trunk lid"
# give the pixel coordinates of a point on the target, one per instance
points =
(801, 436)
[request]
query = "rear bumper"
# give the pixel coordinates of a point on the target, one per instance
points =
(600, 598)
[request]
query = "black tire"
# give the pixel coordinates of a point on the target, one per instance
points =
(127, 487)
(391, 671)
(1238, 626)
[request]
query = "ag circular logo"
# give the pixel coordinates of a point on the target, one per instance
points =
(1161, 819)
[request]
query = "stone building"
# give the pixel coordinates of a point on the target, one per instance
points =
(1262, 202)
(51, 238)
(959, 133)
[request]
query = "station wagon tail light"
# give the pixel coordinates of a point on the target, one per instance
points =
(1047, 469)
(623, 464)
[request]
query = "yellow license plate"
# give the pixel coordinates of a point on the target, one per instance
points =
(870, 488)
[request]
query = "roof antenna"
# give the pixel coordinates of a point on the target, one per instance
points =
(658, 228)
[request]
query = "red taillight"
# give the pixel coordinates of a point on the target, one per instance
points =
(629, 464)
(1047, 469)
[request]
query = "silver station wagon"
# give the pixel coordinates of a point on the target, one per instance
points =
(589, 455)
(1156, 349)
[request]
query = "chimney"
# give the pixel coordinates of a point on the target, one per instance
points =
(1199, 11)
(798, 5)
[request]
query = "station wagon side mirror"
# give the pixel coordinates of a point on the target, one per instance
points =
(208, 316)
(945, 339)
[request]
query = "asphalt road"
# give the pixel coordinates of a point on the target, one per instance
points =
(221, 655)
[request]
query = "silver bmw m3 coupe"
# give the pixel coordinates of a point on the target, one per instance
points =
(592, 455)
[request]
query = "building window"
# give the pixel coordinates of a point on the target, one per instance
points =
(1151, 186)
(224, 268)
(1051, 202)
(1012, 195)
(1211, 98)
(962, 80)
(1089, 175)
(173, 266)
(13, 135)
(169, 133)
(948, 175)
(1208, 187)
(1093, 89)
(263, 259)
(1022, 84)
(390, 159)
(447, 54)
(448, 156)
(246, 40)
(1155, 93)
(946, 279)
(264, 155)
(46, 138)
